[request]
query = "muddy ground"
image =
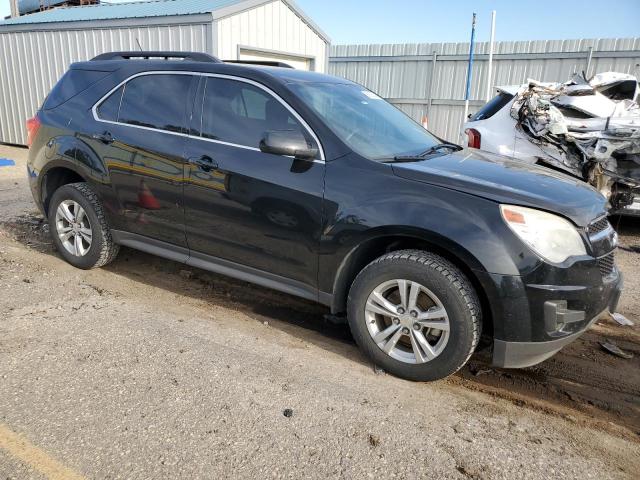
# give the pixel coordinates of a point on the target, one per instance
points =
(148, 369)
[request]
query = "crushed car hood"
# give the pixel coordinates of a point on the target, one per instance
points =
(589, 128)
(503, 180)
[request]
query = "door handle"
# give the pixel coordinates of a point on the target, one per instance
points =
(206, 163)
(104, 137)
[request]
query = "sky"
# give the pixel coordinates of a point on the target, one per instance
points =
(417, 21)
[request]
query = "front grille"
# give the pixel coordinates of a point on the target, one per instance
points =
(599, 226)
(606, 264)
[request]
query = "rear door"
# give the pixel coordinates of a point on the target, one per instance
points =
(242, 205)
(141, 136)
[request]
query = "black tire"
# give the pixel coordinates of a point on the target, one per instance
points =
(102, 249)
(452, 288)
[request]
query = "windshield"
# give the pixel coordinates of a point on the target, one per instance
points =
(365, 122)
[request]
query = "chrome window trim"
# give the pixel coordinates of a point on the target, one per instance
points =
(94, 109)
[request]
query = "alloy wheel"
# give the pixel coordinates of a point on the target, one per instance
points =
(407, 321)
(73, 228)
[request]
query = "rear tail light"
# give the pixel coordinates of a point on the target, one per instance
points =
(33, 125)
(473, 136)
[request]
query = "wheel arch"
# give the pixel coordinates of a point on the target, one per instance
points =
(390, 239)
(57, 174)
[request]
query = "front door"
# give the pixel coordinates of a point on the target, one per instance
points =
(242, 205)
(140, 135)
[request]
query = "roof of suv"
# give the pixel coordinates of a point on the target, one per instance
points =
(286, 75)
(294, 75)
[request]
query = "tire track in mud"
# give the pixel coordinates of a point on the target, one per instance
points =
(581, 377)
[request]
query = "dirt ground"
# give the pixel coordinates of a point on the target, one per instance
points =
(151, 369)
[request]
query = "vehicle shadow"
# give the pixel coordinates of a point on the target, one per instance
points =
(628, 229)
(293, 315)
(300, 318)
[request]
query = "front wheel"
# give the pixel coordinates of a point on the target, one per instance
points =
(79, 228)
(415, 314)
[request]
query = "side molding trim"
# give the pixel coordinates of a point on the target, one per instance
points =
(219, 265)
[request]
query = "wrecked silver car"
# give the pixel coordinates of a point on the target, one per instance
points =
(587, 128)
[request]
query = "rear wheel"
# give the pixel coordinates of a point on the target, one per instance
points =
(79, 227)
(415, 314)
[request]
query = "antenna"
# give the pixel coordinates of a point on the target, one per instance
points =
(139, 46)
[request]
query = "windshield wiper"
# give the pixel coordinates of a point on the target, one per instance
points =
(440, 146)
(426, 153)
(403, 158)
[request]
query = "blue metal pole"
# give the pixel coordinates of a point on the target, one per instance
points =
(469, 70)
(470, 67)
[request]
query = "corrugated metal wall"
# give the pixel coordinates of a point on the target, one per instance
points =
(404, 74)
(272, 26)
(31, 62)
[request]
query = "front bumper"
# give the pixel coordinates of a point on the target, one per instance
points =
(533, 321)
(526, 354)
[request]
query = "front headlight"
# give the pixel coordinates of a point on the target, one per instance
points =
(550, 236)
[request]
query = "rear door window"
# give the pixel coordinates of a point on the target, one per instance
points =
(155, 101)
(240, 113)
(492, 107)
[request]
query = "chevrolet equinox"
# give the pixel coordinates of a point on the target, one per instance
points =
(315, 186)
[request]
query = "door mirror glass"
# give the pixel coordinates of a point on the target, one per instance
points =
(288, 142)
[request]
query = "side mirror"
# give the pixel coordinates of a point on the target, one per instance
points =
(287, 142)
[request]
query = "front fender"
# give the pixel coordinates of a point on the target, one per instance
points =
(468, 227)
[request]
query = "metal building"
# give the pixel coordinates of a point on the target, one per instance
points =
(36, 49)
(428, 79)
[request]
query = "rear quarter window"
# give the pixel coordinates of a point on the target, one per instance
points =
(492, 107)
(71, 84)
(109, 109)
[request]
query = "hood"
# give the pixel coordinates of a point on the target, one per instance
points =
(502, 180)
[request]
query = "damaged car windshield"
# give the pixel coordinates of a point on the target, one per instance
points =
(365, 122)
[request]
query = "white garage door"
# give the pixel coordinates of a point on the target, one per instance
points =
(296, 61)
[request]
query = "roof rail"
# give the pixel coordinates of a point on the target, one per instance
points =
(267, 63)
(194, 56)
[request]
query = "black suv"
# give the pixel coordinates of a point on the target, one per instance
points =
(317, 187)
